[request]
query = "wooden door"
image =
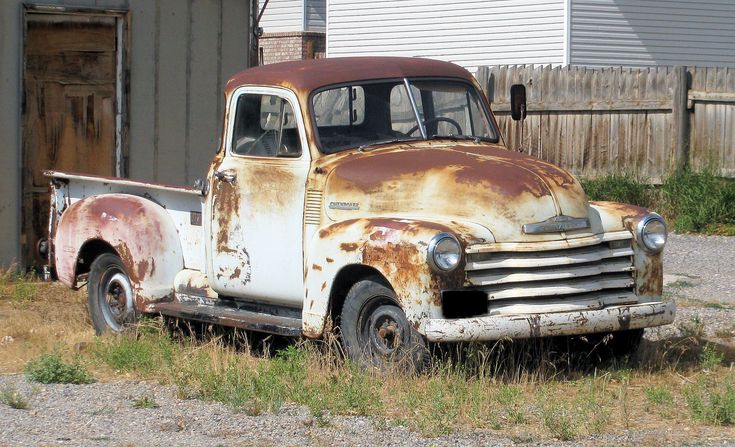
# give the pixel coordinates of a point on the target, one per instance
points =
(69, 119)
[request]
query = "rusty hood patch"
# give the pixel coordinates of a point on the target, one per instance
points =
(491, 186)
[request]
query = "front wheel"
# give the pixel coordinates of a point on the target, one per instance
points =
(375, 331)
(110, 295)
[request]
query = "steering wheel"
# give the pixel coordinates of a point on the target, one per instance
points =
(437, 119)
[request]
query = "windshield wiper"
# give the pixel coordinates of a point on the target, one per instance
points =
(362, 147)
(461, 138)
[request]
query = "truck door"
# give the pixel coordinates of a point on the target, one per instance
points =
(257, 200)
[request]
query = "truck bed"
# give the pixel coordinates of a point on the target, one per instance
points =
(183, 204)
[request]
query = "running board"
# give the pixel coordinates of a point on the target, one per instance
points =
(224, 313)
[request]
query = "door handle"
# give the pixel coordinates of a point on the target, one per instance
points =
(226, 176)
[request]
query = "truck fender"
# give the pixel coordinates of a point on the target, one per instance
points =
(395, 248)
(139, 230)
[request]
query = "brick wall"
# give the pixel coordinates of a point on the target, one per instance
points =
(281, 47)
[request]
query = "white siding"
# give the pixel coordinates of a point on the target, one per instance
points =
(468, 32)
(283, 16)
(316, 15)
(652, 32)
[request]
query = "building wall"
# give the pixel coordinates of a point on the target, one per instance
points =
(291, 16)
(468, 32)
(283, 16)
(181, 54)
(281, 47)
(652, 32)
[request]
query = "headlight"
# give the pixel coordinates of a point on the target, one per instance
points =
(444, 252)
(652, 232)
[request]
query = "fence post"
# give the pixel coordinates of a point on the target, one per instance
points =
(680, 116)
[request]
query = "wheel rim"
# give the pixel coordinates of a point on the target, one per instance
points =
(381, 334)
(116, 298)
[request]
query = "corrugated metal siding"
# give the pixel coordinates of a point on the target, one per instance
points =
(315, 15)
(468, 32)
(283, 16)
(652, 32)
(180, 56)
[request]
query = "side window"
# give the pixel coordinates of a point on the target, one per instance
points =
(265, 126)
(340, 107)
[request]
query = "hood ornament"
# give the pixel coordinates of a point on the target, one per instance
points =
(557, 224)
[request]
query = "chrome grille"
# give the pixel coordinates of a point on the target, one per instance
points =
(558, 280)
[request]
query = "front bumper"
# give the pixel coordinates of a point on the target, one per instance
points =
(609, 319)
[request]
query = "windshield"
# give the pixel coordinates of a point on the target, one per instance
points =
(373, 113)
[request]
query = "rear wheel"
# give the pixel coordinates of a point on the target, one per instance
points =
(375, 331)
(110, 295)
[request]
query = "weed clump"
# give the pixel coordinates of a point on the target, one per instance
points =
(698, 201)
(623, 188)
(693, 201)
(145, 402)
(51, 368)
(13, 398)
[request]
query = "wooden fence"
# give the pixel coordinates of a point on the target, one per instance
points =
(597, 121)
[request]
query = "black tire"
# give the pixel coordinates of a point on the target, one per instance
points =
(616, 345)
(375, 332)
(110, 295)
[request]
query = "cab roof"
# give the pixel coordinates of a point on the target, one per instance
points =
(306, 76)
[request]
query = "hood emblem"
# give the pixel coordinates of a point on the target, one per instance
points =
(352, 206)
(557, 224)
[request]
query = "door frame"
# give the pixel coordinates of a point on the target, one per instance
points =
(122, 96)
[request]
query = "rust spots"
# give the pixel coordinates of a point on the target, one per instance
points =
(316, 267)
(227, 205)
(650, 279)
(304, 76)
(401, 170)
(324, 286)
(236, 273)
(330, 260)
(348, 247)
(402, 264)
(336, 228)
(629, 214)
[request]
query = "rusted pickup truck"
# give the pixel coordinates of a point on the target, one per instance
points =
(373, 195)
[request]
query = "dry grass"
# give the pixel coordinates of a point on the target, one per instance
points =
(522, 390)
(40, 317)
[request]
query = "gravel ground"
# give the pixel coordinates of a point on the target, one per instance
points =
(103, 414)
(700, 273)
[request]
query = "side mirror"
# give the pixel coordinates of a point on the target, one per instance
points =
(518, 101)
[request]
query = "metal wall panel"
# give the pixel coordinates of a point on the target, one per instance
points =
(10, 122)
(468, 32)
(181, 54)
(638, 33)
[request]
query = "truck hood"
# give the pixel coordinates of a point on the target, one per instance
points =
(483, 184)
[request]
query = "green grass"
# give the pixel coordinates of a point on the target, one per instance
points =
(51, 368)
(511, 387)
(692, 201)
(712, 402)
(624, 188)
